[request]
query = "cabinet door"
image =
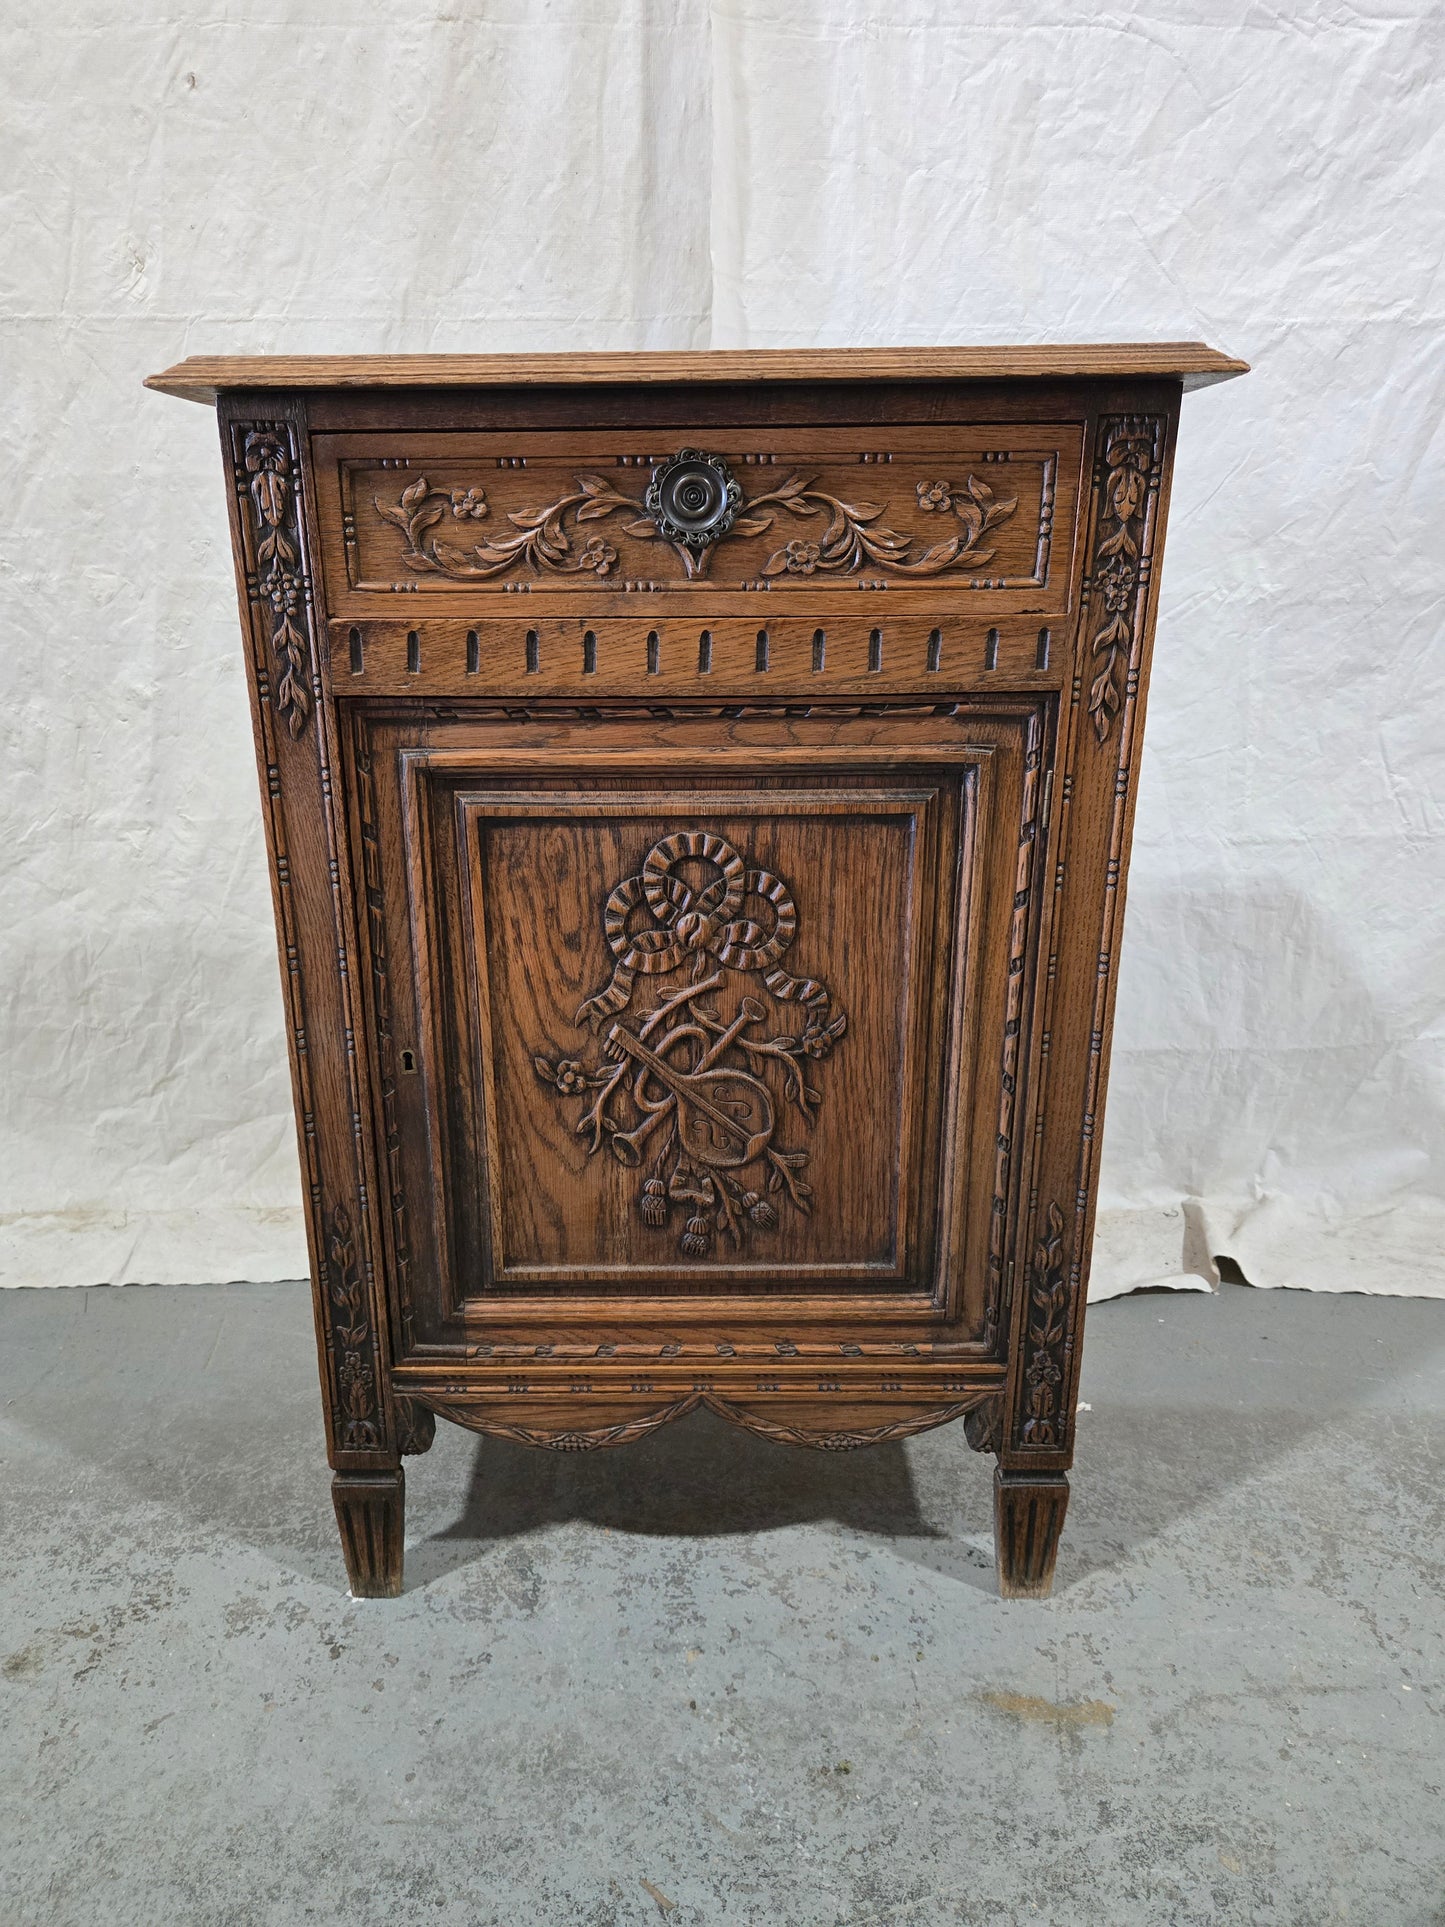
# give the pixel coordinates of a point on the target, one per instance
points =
(699, 1014)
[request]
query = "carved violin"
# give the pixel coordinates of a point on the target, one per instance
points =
(724, 1117)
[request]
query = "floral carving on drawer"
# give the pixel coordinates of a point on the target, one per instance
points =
(682, 1095)
(979, 516)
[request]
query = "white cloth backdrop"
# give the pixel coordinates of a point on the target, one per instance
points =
(526, 174)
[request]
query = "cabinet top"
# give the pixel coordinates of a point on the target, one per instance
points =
(202, 377)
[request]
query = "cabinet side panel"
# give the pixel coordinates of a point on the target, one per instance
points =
(1132, 459)
(262, 441)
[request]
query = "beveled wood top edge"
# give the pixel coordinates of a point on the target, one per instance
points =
(202, 377)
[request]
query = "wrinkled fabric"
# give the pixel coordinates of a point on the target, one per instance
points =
(543, 174)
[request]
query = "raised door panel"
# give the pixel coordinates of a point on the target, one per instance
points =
(701, 1014)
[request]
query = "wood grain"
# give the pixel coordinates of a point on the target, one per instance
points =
(877, 848)
(203, 377)
(476, 516)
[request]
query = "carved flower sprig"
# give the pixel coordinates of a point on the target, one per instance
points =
(351, 1329)
(1048, 1311)
(975, 504)
(570, 1077)
(852, 538)
(815, 1041)
(1128, 461)
(267, 461)
(543, 538)
(855, 537)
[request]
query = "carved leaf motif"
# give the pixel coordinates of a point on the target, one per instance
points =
(853, 534)
(1129, 456)
(1128, 493)
(1047, 1330)
(269, 490)
(1105, 699)
(266, 457)
(1119, 541)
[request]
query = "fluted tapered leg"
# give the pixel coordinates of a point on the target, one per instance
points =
(1028, 1516)
(371, 1511)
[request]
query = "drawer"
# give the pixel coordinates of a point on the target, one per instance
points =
(955, 518)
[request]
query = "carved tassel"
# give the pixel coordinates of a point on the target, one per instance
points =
(694, 1239)
(654, 1202)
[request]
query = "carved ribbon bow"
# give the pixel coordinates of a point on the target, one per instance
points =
(706, 921)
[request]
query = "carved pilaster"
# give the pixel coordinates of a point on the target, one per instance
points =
(1127, 475)
(1047, 1339)
(382, 1025)
(1091, 842)
(314, 924)
(1013, 1040)
(268, 483)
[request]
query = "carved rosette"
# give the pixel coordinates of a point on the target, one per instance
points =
(267, 480)
(1129, 467)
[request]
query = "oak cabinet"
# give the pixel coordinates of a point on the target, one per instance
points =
(698, 791)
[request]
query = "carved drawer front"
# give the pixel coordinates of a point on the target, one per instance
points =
(973, 518)
(672, 1013)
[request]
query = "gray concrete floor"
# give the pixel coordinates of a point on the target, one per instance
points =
(711, 1680)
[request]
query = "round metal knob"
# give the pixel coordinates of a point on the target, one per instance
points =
(693, 498)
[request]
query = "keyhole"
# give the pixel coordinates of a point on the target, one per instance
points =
(408, 1060)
